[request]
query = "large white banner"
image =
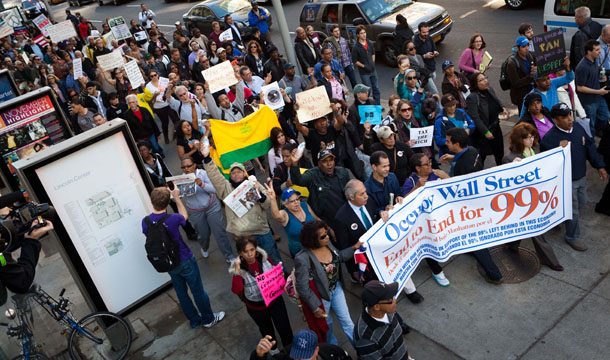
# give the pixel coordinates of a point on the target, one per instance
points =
(471, 212)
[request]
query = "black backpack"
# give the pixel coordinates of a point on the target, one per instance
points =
(162, 251)
(504, 80)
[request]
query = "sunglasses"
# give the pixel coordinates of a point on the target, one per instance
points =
(324, 236)
(154, 75)
(411, 49)
(411, 77)
(406, 109)
(186, 166)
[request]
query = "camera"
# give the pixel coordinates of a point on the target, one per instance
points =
(18, 222)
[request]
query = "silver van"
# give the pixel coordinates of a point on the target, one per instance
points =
(379, 17)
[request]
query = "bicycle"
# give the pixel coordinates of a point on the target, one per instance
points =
(87, 337)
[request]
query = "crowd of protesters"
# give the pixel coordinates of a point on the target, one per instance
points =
(353, 173)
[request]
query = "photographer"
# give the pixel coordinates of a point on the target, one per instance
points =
(18, 275)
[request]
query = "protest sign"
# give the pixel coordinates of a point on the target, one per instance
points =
(243, 198)
(5, 30)
(95, 33)
(471, 212)
(370, 113)
(549, 50)
(119, 28)
(77, 66)
(226, 35)
(184, 182)
(20, 30)
(422, 136)
(273, 96)
(111, 61)
(25, 58)
(108, 37)
(140, 36)
(219, 76)
(134, 74)
(271, 283)
(61, 31)
(163, 83)
(313, 104)
(11, 17)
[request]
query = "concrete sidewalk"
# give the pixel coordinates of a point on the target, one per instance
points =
(554, 315)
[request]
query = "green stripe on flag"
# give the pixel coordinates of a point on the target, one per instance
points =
(246, 153)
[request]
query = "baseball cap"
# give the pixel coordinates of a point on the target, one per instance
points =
(446, 64)
(288, 193)
(304, 344)
(448, 100)
(324, 154)
(288, 66)
(560, 109)
(384, 132)
(148, 56)
(360, 88)
(376, 291)
(237, 165)
(220, 50)
(177, 23)
(522, 41)
(530, 98)
(253, 2)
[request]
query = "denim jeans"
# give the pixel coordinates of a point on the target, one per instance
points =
(370, 80)
(579, 199)
(598, 114)
(431, 86)
(186, 276)
(338, 304)
(155, 144)
(210, 222)
(267, 242)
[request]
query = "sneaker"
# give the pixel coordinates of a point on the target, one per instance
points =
(441, 279)
(578, 245)
(217, 318)
(205, 254)
(492, 281)
(415, 297)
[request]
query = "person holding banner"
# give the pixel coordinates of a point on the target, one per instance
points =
(254, 261)
(398, 152)
(582, 149)
(449, 118)
(318, 279)
(465, 161)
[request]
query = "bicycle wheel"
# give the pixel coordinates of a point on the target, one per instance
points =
(91, 341)
(33, 356)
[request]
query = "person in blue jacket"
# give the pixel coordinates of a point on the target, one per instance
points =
(450, 117)
(258, 18)
(547, 87)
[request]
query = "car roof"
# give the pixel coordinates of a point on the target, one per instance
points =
(334, 1)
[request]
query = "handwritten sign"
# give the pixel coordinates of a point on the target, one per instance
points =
(111, 61)
(422, 136)
(119, 28)
(271, 283)
(313, 104)
(370, 113)
(226, 35)
(273, 96)
(134, 74)
(61, 31)
(549, 50)
(220, 76)
(77, 66)
(163, 83)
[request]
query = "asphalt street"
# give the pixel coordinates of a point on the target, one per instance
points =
(492, 18)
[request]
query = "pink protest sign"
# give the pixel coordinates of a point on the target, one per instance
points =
(271, 283)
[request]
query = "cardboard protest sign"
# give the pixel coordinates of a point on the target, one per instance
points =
(134, 74)
(226, 35)
(422, 136)
(220, 76)
(370, 113)
(77, 66)
(119, 28)
(549, 50)
(465, 213)
(271, 283)
(61, 31)
(111, 61)
(163, 83)
(108, 37)
(20, 30)
(313, 104)
(5, 30)
(273, 96)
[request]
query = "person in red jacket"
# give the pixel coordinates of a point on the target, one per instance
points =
(83, 29)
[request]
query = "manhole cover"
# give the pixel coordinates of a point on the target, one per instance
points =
(515, 266)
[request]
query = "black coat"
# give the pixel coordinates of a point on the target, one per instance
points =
(250, 62)
(468, 162)
(305, 56)
(143, 130)
(402, 35)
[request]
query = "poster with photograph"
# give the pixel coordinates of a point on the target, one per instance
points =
(243, 198)
(273, 96)
(119, 28)
(184, 182)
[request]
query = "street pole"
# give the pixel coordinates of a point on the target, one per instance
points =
(285, 33)
(49, 12)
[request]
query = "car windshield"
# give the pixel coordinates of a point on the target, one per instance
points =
(376, 9)
(225, 7)
(27, 5)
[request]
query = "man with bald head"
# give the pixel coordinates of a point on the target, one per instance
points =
(307, 54)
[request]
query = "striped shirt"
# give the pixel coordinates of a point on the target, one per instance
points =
(374, 339)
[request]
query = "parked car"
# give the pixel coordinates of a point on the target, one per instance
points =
(379, 17)
(78, 3)
(516, 4)
(54, 2)
(202, 15)
(32, 8)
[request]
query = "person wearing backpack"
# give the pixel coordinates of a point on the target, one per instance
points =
(177, 259)
(520, 70)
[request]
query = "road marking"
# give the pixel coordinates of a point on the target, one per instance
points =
(490, 3)
(132, 6)
(468, 13)
(96, 21)
(166, 25)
